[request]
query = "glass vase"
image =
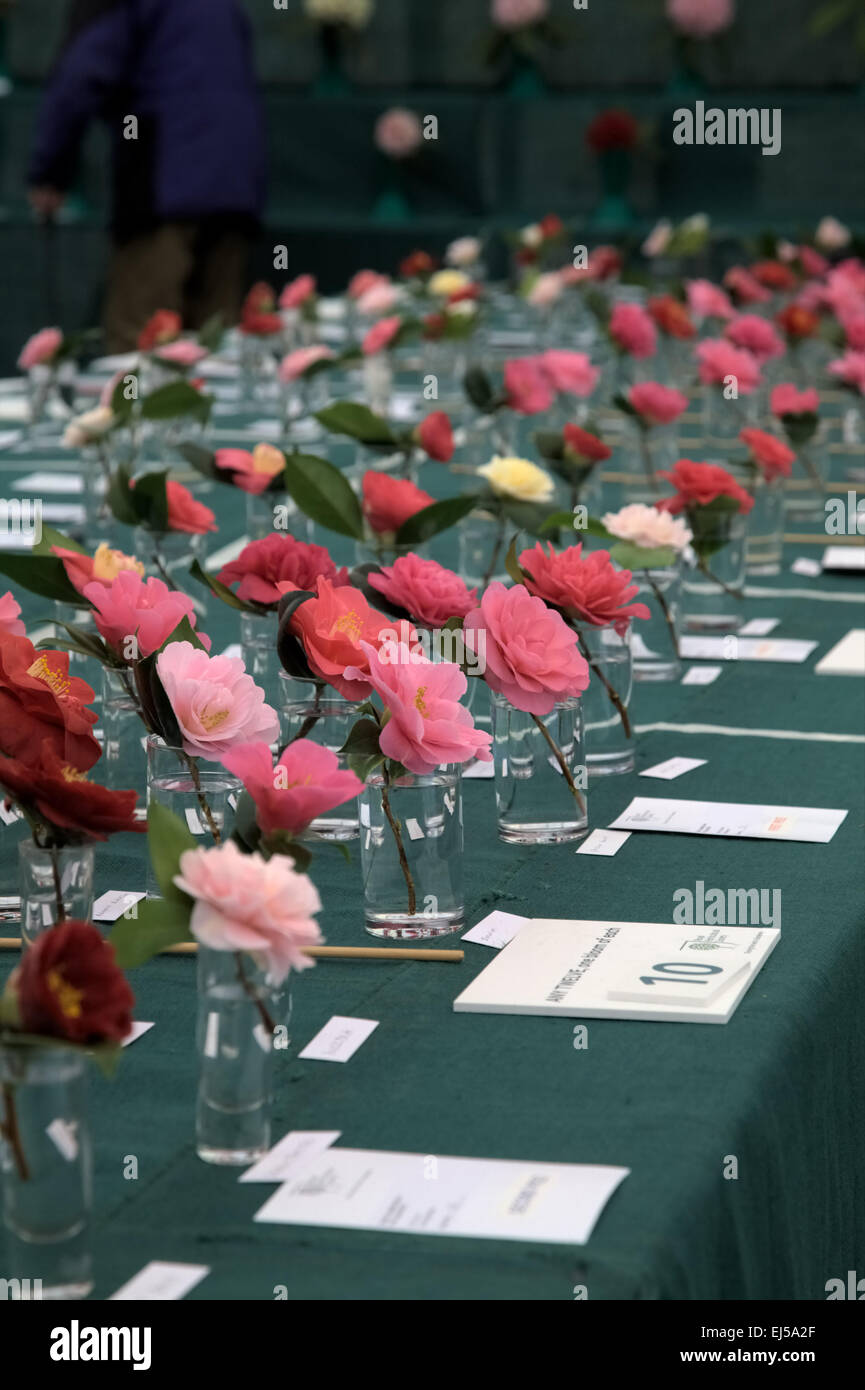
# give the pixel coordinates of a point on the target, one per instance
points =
(609, 733)
(714, 585)
(540, 773)
(644, 453)
(807, 486)
(267, 512)
(764, 537)
(482, 542)
(411, 850)
(99, 520)
(258, 633)
(169, 555)
(123, 763)
(239, 1005)
(54, 885)
(655, 641)
(203, 796)
(377, 383)
(46, 1173)
(314, 710)
(724, 419)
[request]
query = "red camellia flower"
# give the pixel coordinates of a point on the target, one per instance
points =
(671, 316)
(331, 627)
(68, 985)
(797, 322)
(276, 559)
(584, 446)
(436, 437)
(604, 262)
(163, 327)
(416, 264)
(39, 700)
(468, 292)
(774, 458)
(551, 226)
(63, 796)
(615, 129)
(261, 299)
(588, 589)
(185, 512)
(774, 275)
(388, 502)
(260, 325)
(434, 326)
(698, 485)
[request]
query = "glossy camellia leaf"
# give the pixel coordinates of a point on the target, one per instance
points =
(430, 521)
(158, 923)
(361, 749)
(357, 421)
(202, 461)
(635, 557)
(222, 591)
(323, 494)
(175, 399)
(289, 648)
(44, 575)
(49, 538)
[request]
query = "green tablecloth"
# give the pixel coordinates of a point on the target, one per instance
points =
(779, 1087)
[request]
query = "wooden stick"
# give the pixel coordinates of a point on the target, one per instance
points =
(189, 948)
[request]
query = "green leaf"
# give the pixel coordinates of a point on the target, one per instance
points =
(87, 644)
(512, 564)
(170, 401)
(167, 839)
(122, 406)
(357, 421)
(528, 516)
(211, 334)
(594, 527)
(479, 389)
(829, 16)
(202, 461)
(289, 648)
(120, 497)
(430, 521)
(556, 522)
(159, 923)
(50, 538)
(323, 494)
(222, 591)
(550, 444)
(44, 575)
(151, 500)
(635, 557)
(246, 832)
(361, 749)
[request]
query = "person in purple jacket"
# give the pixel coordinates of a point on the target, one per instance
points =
(174, 81)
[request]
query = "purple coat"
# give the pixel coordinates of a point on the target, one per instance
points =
(184, 69)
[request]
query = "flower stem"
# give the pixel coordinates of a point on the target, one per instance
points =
(249, 990)
(400, 847)
(311, 719)
(58, 889)
(704, 569)
(665, 609)
(10, 1131)
(646, 456)
(613, 694)
(202, 799)
(562, 762)
(161, 567)
(494, 558)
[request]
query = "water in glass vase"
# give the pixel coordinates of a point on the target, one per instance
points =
(411, 846)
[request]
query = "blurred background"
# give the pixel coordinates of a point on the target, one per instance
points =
(513, 106)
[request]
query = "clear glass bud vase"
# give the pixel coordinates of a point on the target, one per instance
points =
(411, 846)
(540, 773)
(655, 641)
(609, 732)
(764, 541)
(314, 710)
(239, 1008)
(46, 1167)
(123, 763)
(258, 632)
(714, 584)
(54, 885)
(201, 794)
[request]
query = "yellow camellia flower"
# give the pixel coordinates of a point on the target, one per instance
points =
(518, 478)
(108, 563)
(266, 458)
(447, 282)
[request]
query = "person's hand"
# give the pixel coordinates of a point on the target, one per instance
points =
(46, 202)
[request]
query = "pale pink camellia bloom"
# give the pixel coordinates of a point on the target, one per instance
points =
(569, 372)
(787, 400)
(708, 301)
(305, 783)
(41, 349)
(831, 234)
(531, 653)
(427, 725)
(427, 591)
(145, 609)
(757, 335)
(398, 133)
(297, 292)
(518, 14)
(465, 251)
(657, 404)
(719, 360)
(701, 19)
(546, 290)
(633, 331)
(244, 902)
(364, 280)
(850, 369)
(378, 299)
(658, 239)
(648, 528)
(745, 286)
(216, 704)
(381, 335)
(183, 352)
(527, 386)
(9, 619)
(296, 364)
(251, 472)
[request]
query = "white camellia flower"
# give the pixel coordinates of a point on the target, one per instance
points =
(532, 235)
(658, 239)
(518, 478)
(464, 308)
(87, 428)
(831, 234)
(648, 528)
(466, 250)
(545, 290)
(355, 13)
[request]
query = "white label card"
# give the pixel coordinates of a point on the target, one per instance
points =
(805, 565)
(114, 904)
(64, 1136)
(735, 648)
(604, 842)
(701, 675)
(136, 1031)
(844, 557)
(812, 824)
(41, 483)
(291, 1153)
(759, 627)
(673, 767)
(339, 1039)
(477, 771)
(161, 1281)
(496, 929)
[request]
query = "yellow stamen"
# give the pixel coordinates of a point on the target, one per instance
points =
(71, 774)
(212, 719)
(349, 623)
(68, 997)
(41, 671)
(420, 702)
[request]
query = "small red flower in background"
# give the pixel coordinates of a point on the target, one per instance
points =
(615, 129)
(551, 226)
(258, 316)
(700, 484)
(772, 457)
(388, 502)
(583, 445)
(774, 275)
(69, 986)
(163, 327)
(417, 263)
(671, 316)
(52, 788)
(436, 437)
(798, 322)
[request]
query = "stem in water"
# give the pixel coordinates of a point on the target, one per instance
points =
(665, 609)
(400, 847)
(562, 762)
(613, 694)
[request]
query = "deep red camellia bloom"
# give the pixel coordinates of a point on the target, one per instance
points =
(276, 559)
(388, 502)
(551, 226)
(164, 326)
(588, 589)
(584, 445)
(260, 325)
(798, 322)
(698, 484)
(39, 700)
(771, 455)
(774, 275)
(604, 262)
(615, 129)
(671, 316)
(62, 795)
(261, 299)
(69, 985)
(467, 292)
(435, 436)
(434, 326)
(417, 263)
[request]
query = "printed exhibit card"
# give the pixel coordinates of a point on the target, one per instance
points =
(629, 970)
(815, 824)
(425, 1194)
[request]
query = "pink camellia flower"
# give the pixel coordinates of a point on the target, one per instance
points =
(757, 335)
(527, 386)
(850, 370)
(633, 331)
(435, 436)
(701, 19)
(812, 263)
(719, 360)
(518, 14)
(244, 902)
(546, 290)
(102, 567)
(427, 591)
(365, 280)
(745, 287)
(427, 726)
(531, 653)
(297, 292)
(388, 502)
(570, 372)
(297, 364)
(9, 619)
(772, 457)
(853, 323)
(699, 484)
(589, 589)
(381, 335)
(380, 298)
(216, 704)
(252, 472)
(786, 400)
(145, 609)
(398, 133)
(183, 353)
(306, 782)
(657, 404)
(41, 349)
(331, 627)
(708, 301)
(278, 559)
(185, 512)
